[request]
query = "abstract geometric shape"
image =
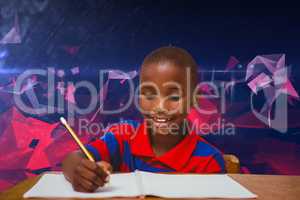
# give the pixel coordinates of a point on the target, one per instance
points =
(11, 177)
(13, 36)
(69, 96)
(102, 96)
(117, 74)
(259, 82)
(61, 87)
(283, 84)
(28, 85)
(3, 53)
(264, 70)
(5, 184)
(75, 70)
(17, 159)
(41, 4)
(60, 73)
(17, 137)
(289, 89)
(33, 143)
(206, 89)
(232, 62)
(71, 50)
(262, 62)
(247, 120)
(61, 146)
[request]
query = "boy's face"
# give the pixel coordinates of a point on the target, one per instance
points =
(164, 96)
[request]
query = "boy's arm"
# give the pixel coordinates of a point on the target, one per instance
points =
(107, 152)
(210, 158)
(216, 164)
(108, 148)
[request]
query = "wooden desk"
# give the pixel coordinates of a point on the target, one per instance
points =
(267, 187)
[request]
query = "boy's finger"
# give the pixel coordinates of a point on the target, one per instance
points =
(88, 185)
(89, 164)
(99, 181)
(78, 187)
(107, 170)
(89, 175)
(93, 168)
(104, 173)
(86, 173)
(96, 180)
(106, 166)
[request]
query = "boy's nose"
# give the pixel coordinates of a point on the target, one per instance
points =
(159, 108)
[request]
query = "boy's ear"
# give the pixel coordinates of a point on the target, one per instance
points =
(195, 99)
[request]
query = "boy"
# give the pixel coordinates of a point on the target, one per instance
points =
(163, 142)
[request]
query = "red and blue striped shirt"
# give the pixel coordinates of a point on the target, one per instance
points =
(127, 147)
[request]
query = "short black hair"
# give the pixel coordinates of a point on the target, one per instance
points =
(175, 55)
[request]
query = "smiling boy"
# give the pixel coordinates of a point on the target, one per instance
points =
(163, 142)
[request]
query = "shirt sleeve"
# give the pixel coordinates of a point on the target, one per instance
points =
(110, 146)
(107, 148)
(216, 164)
(210, 158)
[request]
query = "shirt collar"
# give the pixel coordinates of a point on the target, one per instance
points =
(176, 158)
(140, 144)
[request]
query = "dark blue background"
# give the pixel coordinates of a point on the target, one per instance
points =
(121, 33)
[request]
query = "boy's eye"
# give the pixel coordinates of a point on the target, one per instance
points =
(174, 97)
(150, 96)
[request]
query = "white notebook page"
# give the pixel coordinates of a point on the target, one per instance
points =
(145, 183)
(193, 186)
(55, 185)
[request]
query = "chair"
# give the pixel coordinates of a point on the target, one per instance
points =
(232, 164)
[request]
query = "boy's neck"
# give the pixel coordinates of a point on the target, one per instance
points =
(161, 144)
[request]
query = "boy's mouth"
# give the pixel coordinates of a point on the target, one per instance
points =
(163, 124)
(161, 120)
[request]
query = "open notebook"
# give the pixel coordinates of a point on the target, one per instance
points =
(145, 183)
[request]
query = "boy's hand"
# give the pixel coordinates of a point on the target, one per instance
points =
(88, 175)
(85, 175)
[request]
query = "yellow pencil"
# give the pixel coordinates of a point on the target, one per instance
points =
(85, 151)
